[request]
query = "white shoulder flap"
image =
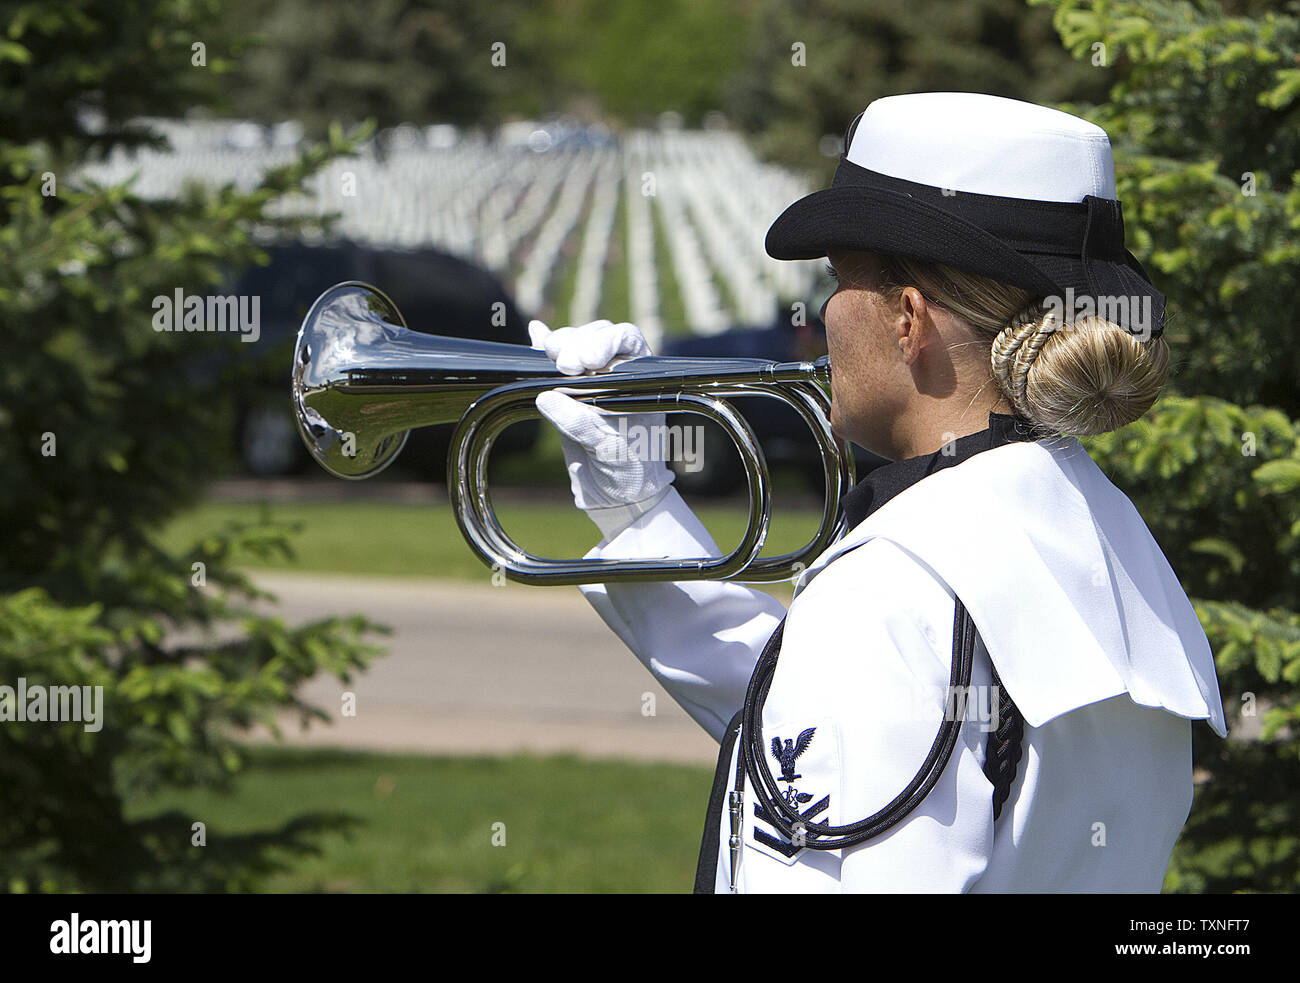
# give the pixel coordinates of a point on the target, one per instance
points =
(1071, 594)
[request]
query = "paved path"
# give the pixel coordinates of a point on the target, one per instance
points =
(474, 668)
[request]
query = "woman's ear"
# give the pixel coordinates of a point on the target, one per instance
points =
(915, 327)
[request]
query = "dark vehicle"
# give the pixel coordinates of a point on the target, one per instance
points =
(783, 436)
(436, 293)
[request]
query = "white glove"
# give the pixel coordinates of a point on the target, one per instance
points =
(609, 482)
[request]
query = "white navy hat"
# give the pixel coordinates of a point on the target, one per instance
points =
(1006, 189)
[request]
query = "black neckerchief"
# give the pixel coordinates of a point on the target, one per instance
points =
(888, 480)
(867, 496)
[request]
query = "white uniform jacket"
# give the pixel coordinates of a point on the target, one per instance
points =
(1076, 606)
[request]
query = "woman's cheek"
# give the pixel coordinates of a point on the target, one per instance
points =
(836, 418)
(846, 398)
(843, 364)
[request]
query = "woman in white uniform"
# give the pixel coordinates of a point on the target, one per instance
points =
(988, 683)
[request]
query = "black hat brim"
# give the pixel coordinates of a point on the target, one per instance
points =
(1046, 248)
(878, 220)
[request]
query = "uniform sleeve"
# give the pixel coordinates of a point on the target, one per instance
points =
(700, 639)
(866, 659)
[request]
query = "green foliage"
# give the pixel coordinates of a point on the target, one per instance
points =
(108, 427)
(1208, 477)
(1204, 115)
(78, 56)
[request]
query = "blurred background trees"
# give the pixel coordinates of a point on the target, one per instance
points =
(857, 52)
(402, 61)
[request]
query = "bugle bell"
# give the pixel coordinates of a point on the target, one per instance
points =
(362, 380)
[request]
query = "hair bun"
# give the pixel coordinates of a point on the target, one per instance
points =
(1083, 377)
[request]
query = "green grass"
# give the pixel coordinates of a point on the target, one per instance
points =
(425, 824)
(423, 540)
(615, 290)
(672, 309)
(727, 297)
(560, 287)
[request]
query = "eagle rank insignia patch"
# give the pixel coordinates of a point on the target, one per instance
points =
(803, 761)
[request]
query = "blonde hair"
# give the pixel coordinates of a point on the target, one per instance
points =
(1085, 376)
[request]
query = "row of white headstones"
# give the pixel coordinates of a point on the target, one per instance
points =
(522, 214)
(714, 202)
